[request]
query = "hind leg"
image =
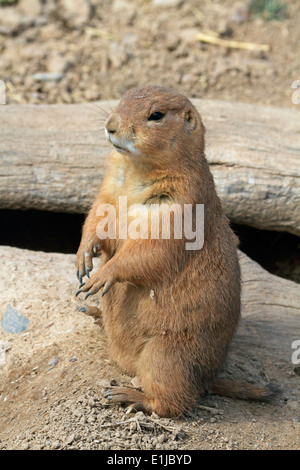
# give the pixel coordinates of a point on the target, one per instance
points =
(166, 378)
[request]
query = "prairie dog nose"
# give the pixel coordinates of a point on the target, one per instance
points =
(112, 124)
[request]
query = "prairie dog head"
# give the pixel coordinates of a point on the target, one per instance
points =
(156, 125)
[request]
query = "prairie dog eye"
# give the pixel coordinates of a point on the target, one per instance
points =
(157, 116)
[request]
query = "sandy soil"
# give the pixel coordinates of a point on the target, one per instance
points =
(53, 377)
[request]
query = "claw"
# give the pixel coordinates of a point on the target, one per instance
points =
(82, 309)
(87, 295)
(78, 292)
(87, 272)
(77, 274)
(106, 287)
(107, 393)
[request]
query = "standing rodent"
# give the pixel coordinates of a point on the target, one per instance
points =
(169, 313)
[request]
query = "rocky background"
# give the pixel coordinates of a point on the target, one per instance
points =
(71, 51)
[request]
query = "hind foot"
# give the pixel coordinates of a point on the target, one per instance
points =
(129, 396)
(92, 312)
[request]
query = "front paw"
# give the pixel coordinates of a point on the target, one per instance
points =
(94, 284)
(84, 257)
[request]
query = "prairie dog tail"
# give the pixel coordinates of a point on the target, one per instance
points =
(245, 390)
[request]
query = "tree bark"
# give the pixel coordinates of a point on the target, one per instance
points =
(52, 157)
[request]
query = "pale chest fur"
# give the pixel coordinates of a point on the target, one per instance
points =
(126, 181)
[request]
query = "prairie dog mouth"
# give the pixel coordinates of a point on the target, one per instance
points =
(121, 145)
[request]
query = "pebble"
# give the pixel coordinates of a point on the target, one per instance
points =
(70, 439)
(13, 321)
(30, 7)
(48, 77)
(293, 405)
(121, 5)
(52, 363)
(167, 3)
(91, 402)
(241, 12)
(76, 12)
(162, 438)
(57, 63)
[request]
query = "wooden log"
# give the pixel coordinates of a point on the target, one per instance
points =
(270, 313)
(52, 157)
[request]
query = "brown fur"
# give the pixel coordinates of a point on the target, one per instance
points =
(169, 314)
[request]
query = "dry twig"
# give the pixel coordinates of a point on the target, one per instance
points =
(214, 39)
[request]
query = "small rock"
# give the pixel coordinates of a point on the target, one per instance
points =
(240, 13)
(118, 54)
(56, 63)
(293, 405)
(188, 35)
(167, 3)
(30, 7)
(48, 77)
(14, 22)
(224, 29)
(50, 7)
(10, 21)
(121, 5)
(91, 402)
(172, 42)
(161, 438)
(104, 383)
(52, 363)
(77, 413)
(70, 439)
(13, 321)
(76, 12)
(130, 39)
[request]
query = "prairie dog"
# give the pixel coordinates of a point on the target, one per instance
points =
(169, 313)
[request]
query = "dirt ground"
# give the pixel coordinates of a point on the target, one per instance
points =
(97, 50)
(53, 375)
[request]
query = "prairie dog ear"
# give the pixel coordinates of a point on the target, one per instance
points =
(190, 120)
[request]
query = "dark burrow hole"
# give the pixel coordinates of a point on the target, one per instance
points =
(277, 252)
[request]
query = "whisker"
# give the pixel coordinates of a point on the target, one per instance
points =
(105, 96)
(94, 123)
(104, 116)
(103, 110)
